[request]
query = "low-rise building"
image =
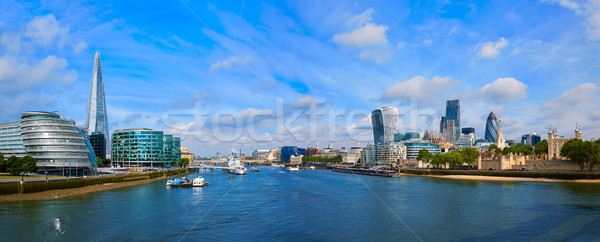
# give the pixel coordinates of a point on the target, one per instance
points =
(386, 153)
(186, 153)
(413, 148)
(141, 147)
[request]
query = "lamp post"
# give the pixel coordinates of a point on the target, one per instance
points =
(46, 171)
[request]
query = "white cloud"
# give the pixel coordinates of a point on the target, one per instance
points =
(80, 46)
(45, 29)
(427, 42)
(589, 9)
(16, 75)
(367, 35)
(491, 49)
(503, 89)
(361, 19)
(581, 94)
(417, 87)
(366, 32)
(11, 42)
(304, 102)
(228, 63)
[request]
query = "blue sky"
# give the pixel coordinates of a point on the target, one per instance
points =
(259, 66)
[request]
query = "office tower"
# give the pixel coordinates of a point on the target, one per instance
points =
(97, 122)
(442, 125)
(385, 124)
(491, 128)
(468, 130)
(452, 124)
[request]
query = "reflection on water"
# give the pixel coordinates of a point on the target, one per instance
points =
(315, 205)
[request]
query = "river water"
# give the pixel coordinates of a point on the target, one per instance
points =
(314, 205)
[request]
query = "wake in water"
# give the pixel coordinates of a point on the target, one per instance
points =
(57, 225)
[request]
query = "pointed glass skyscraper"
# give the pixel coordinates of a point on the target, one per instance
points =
(96, 118)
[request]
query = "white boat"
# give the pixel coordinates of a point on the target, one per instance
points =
(293, 169)
(241, 171)
(311, 167)
(236, 167)
(276, 165)
(169, 182)
(198, 182)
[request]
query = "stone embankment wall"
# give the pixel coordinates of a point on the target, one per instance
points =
(40, 186)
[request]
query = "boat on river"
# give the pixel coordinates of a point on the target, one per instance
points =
(183, 182)
(198, 182)
(235, 167)
(254, 169)
(293, 169)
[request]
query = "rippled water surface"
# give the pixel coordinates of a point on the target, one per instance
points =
(315, 205)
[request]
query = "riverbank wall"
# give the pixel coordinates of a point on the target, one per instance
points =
(566, 175)
(23, 187)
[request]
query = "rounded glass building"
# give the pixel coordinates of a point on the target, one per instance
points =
(57, 144)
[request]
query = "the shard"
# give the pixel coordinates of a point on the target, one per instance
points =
(96, 118)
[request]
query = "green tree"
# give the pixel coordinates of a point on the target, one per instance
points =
(185, 162)
(358, 161)
(541, 148)
(454, 158)
(424, 155)
(593, 153)
(2, 163)
(493, 148)
(99, 161)
(469, 155)
(174, 163)
(29, 164)
(574, 149)
(436, 160)
(13, 165)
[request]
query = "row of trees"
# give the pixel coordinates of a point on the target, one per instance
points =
(582, 152)
(183, 163)
(454, 158)
(322, 160)
(517, 149)
(15, 165)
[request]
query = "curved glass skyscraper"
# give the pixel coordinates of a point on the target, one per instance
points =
(57, 144)
(491, 128)
(385, 124)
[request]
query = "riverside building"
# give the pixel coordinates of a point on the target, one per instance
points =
(141, 147)
(10, 140)
(59, 147)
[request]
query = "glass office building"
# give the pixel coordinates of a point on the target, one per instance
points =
(57, 144)
(530, 139)
(10, 140)
(141, 147)
(452, 121)
(97, 121)
(413, 148)
(385, 124)
(98, 141)
(491, 128)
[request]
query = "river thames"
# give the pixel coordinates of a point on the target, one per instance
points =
(315, 205)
